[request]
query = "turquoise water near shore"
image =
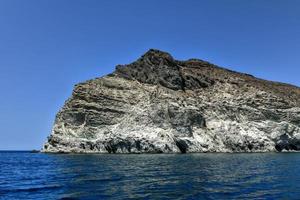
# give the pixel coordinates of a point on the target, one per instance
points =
(25, 175)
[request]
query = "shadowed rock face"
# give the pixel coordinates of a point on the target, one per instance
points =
(161, 105)
(159, 68)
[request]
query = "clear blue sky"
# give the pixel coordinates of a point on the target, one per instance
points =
(46, 46)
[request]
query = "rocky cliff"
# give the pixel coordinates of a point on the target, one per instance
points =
(161, 105)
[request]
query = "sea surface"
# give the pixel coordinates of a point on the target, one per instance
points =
(25, 175)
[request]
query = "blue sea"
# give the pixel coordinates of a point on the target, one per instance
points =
(25, 175)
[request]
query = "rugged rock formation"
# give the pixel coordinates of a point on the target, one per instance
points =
(161, 105)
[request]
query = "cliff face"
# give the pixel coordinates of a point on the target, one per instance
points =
(158, 104)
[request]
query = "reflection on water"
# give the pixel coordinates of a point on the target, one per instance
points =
(173, 176)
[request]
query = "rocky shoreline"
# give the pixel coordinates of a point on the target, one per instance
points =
(161, 105)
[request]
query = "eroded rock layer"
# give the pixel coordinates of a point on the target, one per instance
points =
(161, 105)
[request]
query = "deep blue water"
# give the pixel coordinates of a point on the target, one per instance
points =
(25, 175)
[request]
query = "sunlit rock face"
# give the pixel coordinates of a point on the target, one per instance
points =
(161, 105)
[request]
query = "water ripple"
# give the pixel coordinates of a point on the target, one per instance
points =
(175, 176)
